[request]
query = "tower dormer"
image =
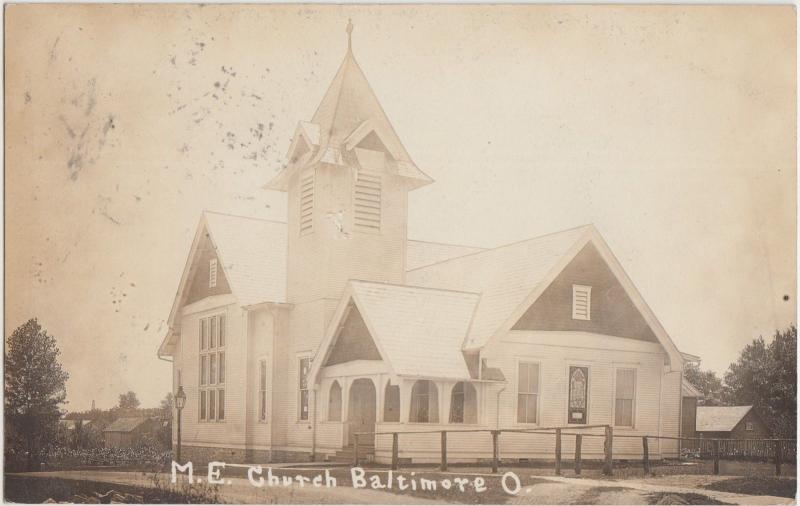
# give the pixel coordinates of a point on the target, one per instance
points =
(347, 178)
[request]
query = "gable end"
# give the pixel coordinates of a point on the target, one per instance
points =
(612, 311)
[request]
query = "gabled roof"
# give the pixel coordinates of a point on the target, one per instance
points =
(720, 418)
(126, 424)
(348, 112)
(418, 331)
(511, 278)
(503, 276)
(252, 254)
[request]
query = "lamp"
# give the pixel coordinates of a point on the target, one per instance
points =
(180, 402)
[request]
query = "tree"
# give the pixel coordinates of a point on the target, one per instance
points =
(765, 375)
(707, 382)
(35, 388)
(166, 405)
(128, 400)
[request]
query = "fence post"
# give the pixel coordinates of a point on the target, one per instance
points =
(394, 451)
(495, 451)
(558, 451)
(645, 456)
(716, 456)
(578, 439)
(444, 451)
(778, 457)
(355, 451)
(608, 466)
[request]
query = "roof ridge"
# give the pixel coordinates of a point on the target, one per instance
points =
(400, 285)
(449, 244)
(206, 211)
(515, 243)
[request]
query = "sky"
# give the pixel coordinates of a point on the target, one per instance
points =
(671, 128)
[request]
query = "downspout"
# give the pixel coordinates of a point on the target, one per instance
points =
(497, 412)
(314, 422)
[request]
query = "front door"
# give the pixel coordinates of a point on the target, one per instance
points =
(361, 411)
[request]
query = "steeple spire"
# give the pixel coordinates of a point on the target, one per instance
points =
(349, 35)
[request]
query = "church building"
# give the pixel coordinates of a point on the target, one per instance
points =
(289, 337)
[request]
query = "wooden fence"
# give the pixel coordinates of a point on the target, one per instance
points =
(776, 450)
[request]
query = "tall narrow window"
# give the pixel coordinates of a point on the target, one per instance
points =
(581, 302)
(307, 203)
(212, 273)
(335, 403)
(367, 201)
(578, 395)
(212, 368)
(302, 387)
(528, 392)
(624, 398)
(424, 402)
(262, 390)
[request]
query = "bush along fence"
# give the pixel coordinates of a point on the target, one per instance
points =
(775, 450)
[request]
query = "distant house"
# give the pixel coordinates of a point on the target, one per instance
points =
(127, 432)
(70, 425)
(730, 422)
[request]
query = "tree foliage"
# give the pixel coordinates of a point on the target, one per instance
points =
(707, 383)
(35, 388)
(765, 375)
(128, 400)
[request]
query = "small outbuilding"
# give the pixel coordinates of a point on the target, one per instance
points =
(126, 432)
(730, 422)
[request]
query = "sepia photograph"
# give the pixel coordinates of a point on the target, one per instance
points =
(400, 254)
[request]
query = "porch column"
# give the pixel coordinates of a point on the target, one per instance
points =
(346, 383)
(405, 400)
(445, 397)
(381, 394)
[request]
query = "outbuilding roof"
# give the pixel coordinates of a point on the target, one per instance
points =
(126, 424)
(720, 418)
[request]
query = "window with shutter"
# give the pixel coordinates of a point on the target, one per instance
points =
(307, 203)
(581, 302)
(367, 201)
(624, 398)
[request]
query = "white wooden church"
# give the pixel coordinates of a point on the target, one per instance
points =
(289, 337)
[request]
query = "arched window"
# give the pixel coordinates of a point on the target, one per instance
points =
(424, 402)
(391, 403)
(335, 403)
(463, 404)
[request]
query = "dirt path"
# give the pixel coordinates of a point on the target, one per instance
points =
(630, 488)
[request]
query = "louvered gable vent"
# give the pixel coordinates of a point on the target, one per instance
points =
(368, 201)
(581, 302)
(307, 203)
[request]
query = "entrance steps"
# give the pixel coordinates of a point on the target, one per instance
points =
(345, 455)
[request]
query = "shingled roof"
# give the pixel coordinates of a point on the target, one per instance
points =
(126, 424)
(503, 276)
(418, 331)
(720, 418)
(252, 253)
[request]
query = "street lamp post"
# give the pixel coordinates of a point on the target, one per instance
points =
(180, 401)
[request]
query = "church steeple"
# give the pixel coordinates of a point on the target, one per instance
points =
(348, 180)
(348, 113)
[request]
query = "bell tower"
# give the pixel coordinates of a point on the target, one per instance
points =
(347, 180)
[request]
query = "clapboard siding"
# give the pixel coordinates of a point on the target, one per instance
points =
(261, 328)
(670, 412)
